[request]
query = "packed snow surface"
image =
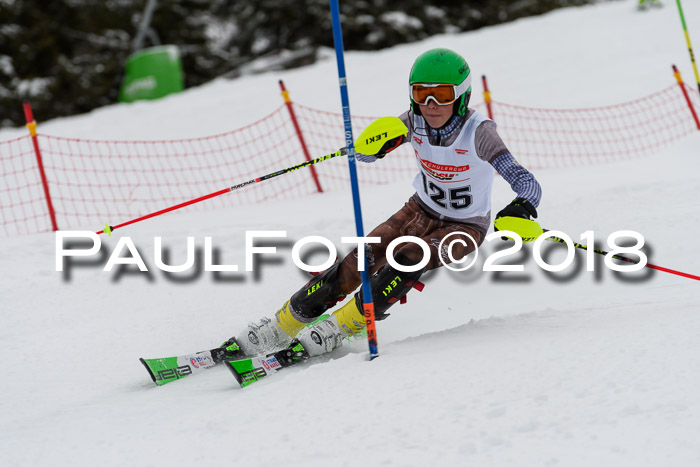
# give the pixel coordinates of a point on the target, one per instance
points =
(528, 368)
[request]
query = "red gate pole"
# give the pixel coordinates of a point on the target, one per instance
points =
(487, 96)
(31, 125)
(288, 102)
(677, 74)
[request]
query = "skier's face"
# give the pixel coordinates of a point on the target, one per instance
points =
(436, 115)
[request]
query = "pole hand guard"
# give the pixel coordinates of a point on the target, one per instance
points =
(526, 229)
(381, 136)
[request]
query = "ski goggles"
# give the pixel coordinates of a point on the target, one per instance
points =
(442, 94)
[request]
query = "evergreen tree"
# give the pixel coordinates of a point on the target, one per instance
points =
(67, 56)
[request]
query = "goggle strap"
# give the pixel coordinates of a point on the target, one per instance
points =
(465, 86)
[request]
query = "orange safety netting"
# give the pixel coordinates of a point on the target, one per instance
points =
(93, 181)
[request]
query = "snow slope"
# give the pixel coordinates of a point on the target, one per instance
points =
(574, 368)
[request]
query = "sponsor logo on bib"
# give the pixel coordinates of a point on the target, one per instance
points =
(443, 172)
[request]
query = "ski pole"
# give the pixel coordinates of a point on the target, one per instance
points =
(341, 152)
(368, 306)
(622, 258)
(530, 230)
(370, 141)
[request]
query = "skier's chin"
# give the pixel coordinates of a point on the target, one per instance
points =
(435, 121)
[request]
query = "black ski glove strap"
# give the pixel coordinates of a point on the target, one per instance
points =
(519, 207)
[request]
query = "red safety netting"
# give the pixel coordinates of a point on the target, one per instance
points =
(324, 132)
(547, 138)
(22, 201)
(92, 182)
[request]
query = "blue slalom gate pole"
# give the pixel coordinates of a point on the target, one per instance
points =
(368, 306)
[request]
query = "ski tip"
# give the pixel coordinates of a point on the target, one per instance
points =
(230, 365)
(148, 368)
(249, 370)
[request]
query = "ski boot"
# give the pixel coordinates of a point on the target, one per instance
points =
(269, 335)
(328, 332)
(389, 285)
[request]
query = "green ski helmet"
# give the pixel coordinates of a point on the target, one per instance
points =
(442, 66)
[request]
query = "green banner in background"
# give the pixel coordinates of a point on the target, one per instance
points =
(152, 73)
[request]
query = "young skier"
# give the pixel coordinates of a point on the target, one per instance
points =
(458, 152)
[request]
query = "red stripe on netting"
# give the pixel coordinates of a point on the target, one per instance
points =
(15, 140)
(585, 109)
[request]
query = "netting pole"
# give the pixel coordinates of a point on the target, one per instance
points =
(687, 40)
(288, 103)
(677, 74)
(368, 306)
(31, 125)
(487, 96)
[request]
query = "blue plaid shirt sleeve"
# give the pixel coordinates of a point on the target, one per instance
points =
(520, 179)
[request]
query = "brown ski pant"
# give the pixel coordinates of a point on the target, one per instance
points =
(411, 220)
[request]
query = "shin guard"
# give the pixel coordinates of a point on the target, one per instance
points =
(318, 295)
(389, 286)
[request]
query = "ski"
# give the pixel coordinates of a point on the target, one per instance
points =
(169, 369)
(246, 369)
(249, 370)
